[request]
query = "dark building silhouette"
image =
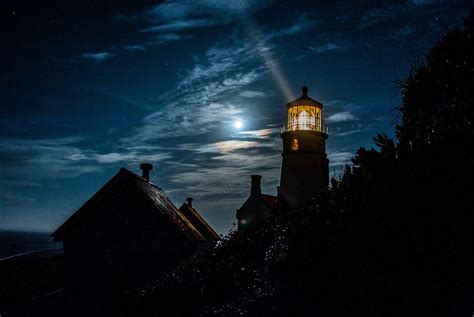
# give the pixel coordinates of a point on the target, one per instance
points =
(305, 167)
(258, 207)
(129, 231)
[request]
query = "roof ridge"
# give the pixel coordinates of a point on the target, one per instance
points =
(201, 219)
(152, 192)
(125, 170)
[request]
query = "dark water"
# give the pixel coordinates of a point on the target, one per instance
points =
(12, 243)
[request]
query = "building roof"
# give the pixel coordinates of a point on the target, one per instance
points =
(304, 100)
(129, 194)
(258, 207)
(269, 200)
(198, 222)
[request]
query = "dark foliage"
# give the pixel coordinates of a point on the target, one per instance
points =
(393, 236)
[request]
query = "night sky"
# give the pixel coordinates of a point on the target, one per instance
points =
(197, 88)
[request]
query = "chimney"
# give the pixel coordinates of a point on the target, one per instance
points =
(146, 168)
(255, 189)
(190, 201)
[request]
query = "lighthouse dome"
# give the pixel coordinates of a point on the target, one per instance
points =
(304, 100)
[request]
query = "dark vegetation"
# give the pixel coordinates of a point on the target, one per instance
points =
(394, 235)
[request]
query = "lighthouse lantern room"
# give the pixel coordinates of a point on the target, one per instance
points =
(305, 167)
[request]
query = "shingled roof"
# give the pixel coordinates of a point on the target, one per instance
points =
(133, 195)
(198, 222)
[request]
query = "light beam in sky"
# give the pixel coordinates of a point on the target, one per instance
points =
(266, 55)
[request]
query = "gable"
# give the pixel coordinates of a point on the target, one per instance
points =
(127, 200)
(256, 208)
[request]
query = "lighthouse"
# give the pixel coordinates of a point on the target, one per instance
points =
(305, 166)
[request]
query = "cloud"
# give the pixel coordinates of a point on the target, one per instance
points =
(134, 48)
(227, 146)
(177, 26)
(130, 157)
(180, 119)
(327, 47)
(19, 200)
(402, 32)
(33, 160)
(422, 2)
(37, 159)
(221, 170)
(182, 10)
(337, 158)
(221, 184)
(260, 134)
(210, 95)
(346, 133)
(97, 56)
(379, 15)
(252, 94)
(201, 100)
(179, 16)
(341, 117)
(240, 79)
(385, 13)
(302, 25)
(163, 38)
(228, 171)
(160, 23)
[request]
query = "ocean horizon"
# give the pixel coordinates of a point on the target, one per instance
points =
(18, 242)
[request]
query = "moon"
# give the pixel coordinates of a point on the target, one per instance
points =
(238, 124)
